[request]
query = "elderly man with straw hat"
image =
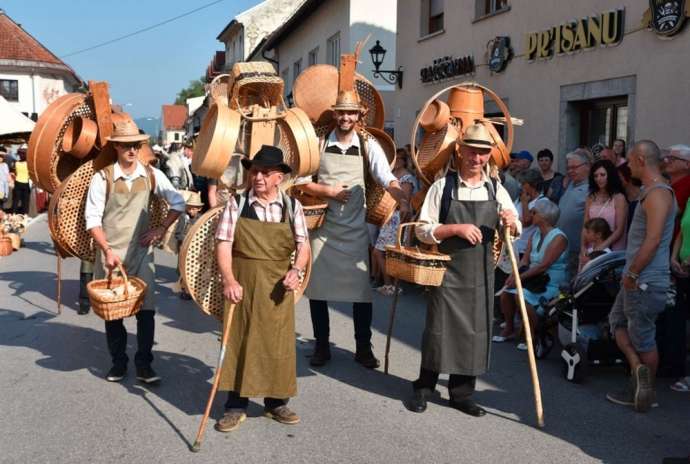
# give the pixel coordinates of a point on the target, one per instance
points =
(117, 216)
(257, 234)
(341, 246)
(464, 210)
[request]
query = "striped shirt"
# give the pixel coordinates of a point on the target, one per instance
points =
(273, 212)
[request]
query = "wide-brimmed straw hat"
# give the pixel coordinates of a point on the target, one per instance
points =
(267, 157)
(477, 136)
(195, 200)
(126, 131)
(348, 100)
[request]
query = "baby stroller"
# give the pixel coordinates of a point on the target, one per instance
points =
(581, 313)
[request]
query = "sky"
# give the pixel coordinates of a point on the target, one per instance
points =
(144, 71)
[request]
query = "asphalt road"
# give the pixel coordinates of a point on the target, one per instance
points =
(55, 406)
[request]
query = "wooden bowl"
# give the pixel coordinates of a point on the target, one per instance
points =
(466, 104)
(80, 137)
(216, 142)
(301, 131)
(435, 116)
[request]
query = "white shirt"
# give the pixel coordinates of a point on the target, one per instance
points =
(95, 199)
(378, 162)
(465, 192)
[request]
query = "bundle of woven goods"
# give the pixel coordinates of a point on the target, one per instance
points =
(14, 223)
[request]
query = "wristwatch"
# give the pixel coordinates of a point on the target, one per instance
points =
(300, 272)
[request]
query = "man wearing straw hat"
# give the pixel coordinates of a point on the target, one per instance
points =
(117, 216)
(341, 246)
(463, 211)
(257, 234)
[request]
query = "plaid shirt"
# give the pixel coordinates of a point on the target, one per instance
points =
(273, 212)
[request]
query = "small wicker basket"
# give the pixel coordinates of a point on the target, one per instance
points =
(5, 245)
(112, 307)
(314, 208)
(414, 265)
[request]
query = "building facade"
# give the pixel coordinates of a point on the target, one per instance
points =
(578, 73)
(31, 76)
(173, 121)
(320, 30)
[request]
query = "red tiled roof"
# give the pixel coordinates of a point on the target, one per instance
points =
(17, 44)
(174, 116)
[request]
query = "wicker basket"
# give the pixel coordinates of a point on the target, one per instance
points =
(314, 208)
(413, 265)
(254, 83)
(5, 245)
(380, 204)
(114, 306)
(16, 240)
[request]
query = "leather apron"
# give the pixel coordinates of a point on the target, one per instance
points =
(125, 219)
(340, 247)
(457, 336)
(261, 358)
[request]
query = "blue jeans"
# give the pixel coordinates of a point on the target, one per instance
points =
(637, 311)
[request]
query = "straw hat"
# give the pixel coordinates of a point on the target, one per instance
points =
(348, 100)
(195, 200)
(477, 136)
(126, 131)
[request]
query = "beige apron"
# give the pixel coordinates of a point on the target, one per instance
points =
(125, 218)
(261, 359)
(340, 248)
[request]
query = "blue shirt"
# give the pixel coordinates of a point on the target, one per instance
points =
(572, 206)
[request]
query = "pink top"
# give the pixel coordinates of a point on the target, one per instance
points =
(607, 212)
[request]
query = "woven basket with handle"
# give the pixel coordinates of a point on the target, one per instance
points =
(314, 208)
(414, 265)
(112, 306)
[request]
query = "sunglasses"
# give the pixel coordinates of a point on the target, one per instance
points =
(129, 146)
(671, 158)
(264, 171)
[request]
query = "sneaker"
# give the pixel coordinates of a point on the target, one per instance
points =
(282, 414)
(624, 397)
(116, 373)
(147, 375)
(644, 390)
(230, 421)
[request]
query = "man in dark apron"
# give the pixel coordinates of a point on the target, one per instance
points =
(257, 234)
(463, 211)
(340, 247)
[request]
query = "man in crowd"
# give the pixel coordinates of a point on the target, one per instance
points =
(117, 216)
(257, 234)
(341, 246)
(552, 186)
(519, 162)
(463, 211)
(178, 171)
(572, 204)
(646, 277)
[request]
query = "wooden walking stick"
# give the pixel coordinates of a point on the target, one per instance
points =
(528, 330)
(391, 320)
(196, 447)
(59, 282)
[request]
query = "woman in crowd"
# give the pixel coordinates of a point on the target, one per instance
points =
(543, 269)
(553, 181)
(606, 200)
(388, 233)
(531, 183)
(5, 179)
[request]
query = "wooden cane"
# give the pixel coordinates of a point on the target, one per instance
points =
(59, 282)
(196, 447)
(391, 320)
(528, 330)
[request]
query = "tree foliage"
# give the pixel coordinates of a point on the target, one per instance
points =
(194, 89)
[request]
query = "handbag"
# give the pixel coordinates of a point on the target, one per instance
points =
(537, 283)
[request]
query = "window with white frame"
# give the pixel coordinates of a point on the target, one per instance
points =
(431, 17)
(489, 7)
(296, 69)
(333, 49)
(313, 57)
(9, 88)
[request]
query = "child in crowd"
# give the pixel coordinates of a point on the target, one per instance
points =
(184, 223)
(597, 230)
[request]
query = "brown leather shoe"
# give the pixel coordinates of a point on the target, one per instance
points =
(282, 414)
(230, 421)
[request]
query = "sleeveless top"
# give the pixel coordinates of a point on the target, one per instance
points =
(607, 212)
(657, 272)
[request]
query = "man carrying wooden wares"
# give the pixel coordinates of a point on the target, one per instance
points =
(257, 235)
(117, 216)
(341, 246)
(463, 211)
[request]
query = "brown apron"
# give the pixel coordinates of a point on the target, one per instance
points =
(261, 358)
(125, 218)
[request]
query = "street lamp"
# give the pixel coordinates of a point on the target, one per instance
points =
(378, 53)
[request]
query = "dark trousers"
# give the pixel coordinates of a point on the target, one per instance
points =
(116, 334)
(20, 196)
(671, 334)
(237, 402)
(361, 315)
(460, 387)
(84, 278)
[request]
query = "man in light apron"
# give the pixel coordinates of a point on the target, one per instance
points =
(117, 216)
(463, 210)
(257, 234)
(340, 248)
